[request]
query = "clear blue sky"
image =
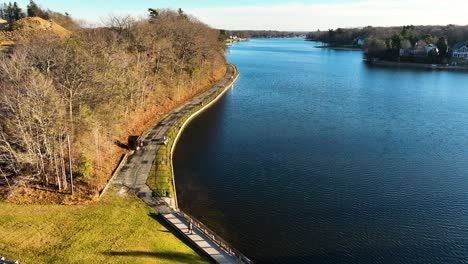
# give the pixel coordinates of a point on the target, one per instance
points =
(278, 14)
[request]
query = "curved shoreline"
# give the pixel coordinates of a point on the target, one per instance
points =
(175, 220)
(193, 116)
(147, 173)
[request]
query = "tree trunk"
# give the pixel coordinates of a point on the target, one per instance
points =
(71, 165)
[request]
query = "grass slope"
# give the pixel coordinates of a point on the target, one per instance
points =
(119, 229)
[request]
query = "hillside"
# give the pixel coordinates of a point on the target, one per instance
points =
(70, 106)
(30, 26)
(37, 24)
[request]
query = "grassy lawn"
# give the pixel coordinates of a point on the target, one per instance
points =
(118, 229)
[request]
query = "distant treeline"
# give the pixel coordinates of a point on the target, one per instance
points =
(262, 33)
(428, 44)
(348, 36)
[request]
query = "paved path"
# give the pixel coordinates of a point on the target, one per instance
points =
(133, 175)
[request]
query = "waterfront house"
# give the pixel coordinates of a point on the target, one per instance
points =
(420, 50)
(460, 50)
(360, 41)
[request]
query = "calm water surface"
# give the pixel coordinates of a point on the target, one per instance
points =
(315, 157)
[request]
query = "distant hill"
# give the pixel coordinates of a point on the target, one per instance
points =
(26, 27)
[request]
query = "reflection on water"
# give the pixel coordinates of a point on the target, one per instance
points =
(315, 157)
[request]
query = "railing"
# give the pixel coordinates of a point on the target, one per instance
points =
(4, 261)
(241, 258)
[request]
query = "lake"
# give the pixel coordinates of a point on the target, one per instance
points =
(315, 157)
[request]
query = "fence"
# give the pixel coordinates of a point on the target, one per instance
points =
(241, 258)
(5, 261)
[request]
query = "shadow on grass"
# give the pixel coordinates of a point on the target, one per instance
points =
(161, 221)
(172, 256)
(176, 233)
(172, 230)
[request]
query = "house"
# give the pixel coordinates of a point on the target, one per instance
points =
(460, 50)
(431, 48)
(360, 41)
(421, 50)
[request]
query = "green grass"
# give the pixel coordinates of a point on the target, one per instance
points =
(118, 229)
(160, 179)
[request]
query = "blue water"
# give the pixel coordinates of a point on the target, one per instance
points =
(315, 157)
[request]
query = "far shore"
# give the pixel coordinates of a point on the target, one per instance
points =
(339, 48)
(385, 63)
(415, 65)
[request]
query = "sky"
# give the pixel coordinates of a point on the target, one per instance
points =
(286, 15)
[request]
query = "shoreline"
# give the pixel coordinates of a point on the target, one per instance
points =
(438, 67)
(339, 48)
(179, 218)
(149, 173)
(124, 157)
(187, 121)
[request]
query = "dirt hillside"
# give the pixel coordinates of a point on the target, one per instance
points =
(28, 26)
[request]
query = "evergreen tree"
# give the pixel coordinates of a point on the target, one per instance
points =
(442, 45)
(3, 12)
(17, 12)
(33, 9)
(181, 13)
(8, 12)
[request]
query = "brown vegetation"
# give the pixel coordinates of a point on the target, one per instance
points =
(68, 97)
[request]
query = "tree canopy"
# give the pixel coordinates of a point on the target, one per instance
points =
(65, 102)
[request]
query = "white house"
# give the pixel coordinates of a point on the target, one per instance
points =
(460, 50)
(432, 47)
(360, 41)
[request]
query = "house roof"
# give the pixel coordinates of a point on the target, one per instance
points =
(459, 45)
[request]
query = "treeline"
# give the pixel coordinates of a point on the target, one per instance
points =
(261, 33)
(348, 36)
(65, 102)
(12, 11)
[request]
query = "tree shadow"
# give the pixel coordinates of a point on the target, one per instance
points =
(162, 222)
(177, 234)
(172, 256)
(121, 145)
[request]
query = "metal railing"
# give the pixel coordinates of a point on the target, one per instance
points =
(241, 258)
(5, 261)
